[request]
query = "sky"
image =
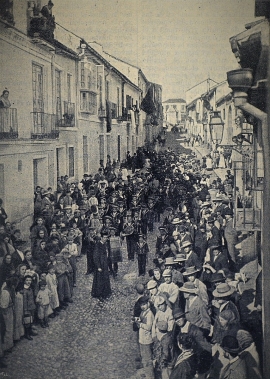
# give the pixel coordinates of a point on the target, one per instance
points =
(176, 43)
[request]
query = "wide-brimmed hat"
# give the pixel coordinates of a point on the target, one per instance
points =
(206, 204)
(162, 228)
(223, 290)
(230, 344)
(180, 258)
(176, 221)
(228, 211)
(169, 261)
(143, 300)
(160, 300)
(217, 277)
(188, 287)
(167, 272)
(186, 244)
(217, 199)
(244, 338)
(211, 219)
(151, 284)
(190, 271)
(179, 314)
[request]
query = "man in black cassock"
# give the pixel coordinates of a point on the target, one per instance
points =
(101, 287)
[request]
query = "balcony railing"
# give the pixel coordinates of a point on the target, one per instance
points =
(42, 27)
(8, 123)
(44, 126)
(68, 119)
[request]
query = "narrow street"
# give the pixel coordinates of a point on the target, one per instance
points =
(93, 339)
(90, 339)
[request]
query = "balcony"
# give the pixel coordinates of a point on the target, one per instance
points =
(68, 119)
(6, 11)
(8, 123)
(44, 126)
(42, 27)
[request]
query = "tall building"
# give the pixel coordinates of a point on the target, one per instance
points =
(69, 107)
(174, 111)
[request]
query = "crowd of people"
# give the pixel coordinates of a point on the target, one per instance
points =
(187, 315)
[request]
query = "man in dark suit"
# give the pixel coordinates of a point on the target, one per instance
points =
(17, 257)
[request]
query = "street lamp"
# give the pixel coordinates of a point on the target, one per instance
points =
(216, 126)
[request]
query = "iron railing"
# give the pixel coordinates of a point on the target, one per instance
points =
(44, 126)
(8, 123)
(68, 119)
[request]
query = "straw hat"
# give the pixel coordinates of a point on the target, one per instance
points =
(167, 272)
(188, 287)
(169, 261)
(180, 258)
(186, 244)
(190, 271)
(223, 290)
(151, 284)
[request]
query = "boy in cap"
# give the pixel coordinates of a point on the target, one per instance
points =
(43, 302)
(190, 275)
(170, 289)
(164, 313)
(141, 252)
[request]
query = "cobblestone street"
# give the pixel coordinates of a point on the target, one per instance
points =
(90, 339)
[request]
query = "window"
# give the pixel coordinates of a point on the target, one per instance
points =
(118, 101)
(119, 148)
(2, 188)
(37, 85)
(71, 161)
(82, 75)
(88, 102)
(85, 154)
(109, 145)
(69, 88)
(101, 147)
(89, 80)
(19, 166)
(128, 102)
(58, 95)
(128, 149)
(100, 90)
(57, 162)
(107, 90)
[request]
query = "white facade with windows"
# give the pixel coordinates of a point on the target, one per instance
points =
(70, 108)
